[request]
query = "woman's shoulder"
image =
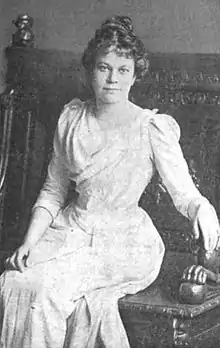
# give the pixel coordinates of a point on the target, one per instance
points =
(74, 104)
(153, 122)
(71, 110)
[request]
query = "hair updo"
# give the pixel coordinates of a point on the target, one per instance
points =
(117, 32)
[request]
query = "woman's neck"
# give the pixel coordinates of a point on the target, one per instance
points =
(115, 113)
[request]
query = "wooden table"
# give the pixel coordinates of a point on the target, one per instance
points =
(155, 318)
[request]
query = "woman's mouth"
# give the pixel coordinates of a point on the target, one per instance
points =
(111, 89)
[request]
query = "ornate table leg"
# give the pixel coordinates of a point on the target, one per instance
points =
(181, 334)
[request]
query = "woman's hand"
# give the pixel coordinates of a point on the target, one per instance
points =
(206, 225)
(40, 221)
(18, 260)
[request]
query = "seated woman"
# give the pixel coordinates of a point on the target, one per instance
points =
(63, 283)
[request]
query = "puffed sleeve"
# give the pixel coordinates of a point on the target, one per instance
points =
(54, 191)
(164, 134)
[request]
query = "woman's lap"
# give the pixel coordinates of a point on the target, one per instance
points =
(64, 265)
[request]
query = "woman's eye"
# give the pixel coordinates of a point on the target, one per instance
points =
(124, 70)
(103, 68)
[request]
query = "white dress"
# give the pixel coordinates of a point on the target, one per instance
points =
(102, 245)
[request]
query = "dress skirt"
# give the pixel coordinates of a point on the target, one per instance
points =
(68, 295)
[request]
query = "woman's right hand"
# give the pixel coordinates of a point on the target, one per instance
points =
(18, 260)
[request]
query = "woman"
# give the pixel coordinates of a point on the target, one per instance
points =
(63, 283)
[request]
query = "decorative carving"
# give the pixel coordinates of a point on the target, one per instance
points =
(184, 97)
(193, 173)
(193, 289)
(182, 87)
(180, 333)
(178, 79)
(140, 341)
(147, 331)
(20, 103)
(7, 106)
(24, 35)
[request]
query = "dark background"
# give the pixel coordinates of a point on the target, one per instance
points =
(189, 26)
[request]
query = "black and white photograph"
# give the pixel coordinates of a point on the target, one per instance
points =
(109, 174)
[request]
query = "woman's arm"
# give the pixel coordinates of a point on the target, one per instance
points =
(54, 191)
(167, 155)
(50, 201)
(40, 221)
(48, 204)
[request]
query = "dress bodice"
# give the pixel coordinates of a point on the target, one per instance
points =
(112, 168)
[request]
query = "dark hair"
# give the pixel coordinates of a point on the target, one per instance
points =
(117, 31)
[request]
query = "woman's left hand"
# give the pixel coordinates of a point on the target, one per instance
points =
(206, 223)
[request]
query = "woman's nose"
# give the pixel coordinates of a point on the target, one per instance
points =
(112, 77)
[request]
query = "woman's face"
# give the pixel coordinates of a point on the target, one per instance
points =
(112, 78)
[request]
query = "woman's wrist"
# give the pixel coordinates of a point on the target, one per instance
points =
(40, 221)
(196, 204)
(38, 211)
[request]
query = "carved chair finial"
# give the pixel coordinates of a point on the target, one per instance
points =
(24, 36)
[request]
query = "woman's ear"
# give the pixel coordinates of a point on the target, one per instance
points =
(86, 79)
(134, 79)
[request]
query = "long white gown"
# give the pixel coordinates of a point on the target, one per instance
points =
(101, 246)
